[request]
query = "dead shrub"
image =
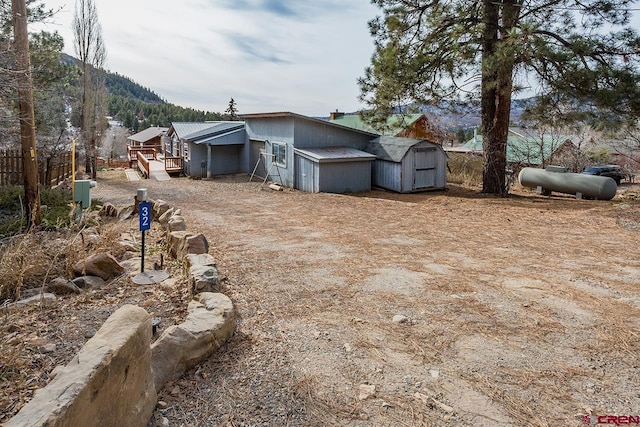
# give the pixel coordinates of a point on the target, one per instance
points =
(29, 261)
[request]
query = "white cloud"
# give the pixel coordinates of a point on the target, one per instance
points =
(270, 55)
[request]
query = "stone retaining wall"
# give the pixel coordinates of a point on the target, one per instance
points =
(114, 379)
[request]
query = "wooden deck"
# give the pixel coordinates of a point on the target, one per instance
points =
(146, 159)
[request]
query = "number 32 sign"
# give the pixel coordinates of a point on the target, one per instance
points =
(145, 215)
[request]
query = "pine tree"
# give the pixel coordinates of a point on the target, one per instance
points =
(231, 112)
(582, 54)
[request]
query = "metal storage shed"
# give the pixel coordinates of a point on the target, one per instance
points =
(406, 165)
(332, 170)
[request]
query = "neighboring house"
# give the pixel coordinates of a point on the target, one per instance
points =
(148, 138)
(534, 150)
(147, 143)
(209, 148)
(401, 125)
(406, 165)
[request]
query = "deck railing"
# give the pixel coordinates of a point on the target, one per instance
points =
(143, 156)
(134, 152)
(172, 164)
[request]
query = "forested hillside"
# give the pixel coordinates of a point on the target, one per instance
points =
(138, 107)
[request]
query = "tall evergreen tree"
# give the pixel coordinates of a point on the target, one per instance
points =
(232, 110)
(577, 53)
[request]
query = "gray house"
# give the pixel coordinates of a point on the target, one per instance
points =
(406, 165)
(209, 148)
(293, 150)
(309, 154)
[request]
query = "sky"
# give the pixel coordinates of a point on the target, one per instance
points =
(269, 55)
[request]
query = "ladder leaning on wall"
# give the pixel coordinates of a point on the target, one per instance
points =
(268, 167)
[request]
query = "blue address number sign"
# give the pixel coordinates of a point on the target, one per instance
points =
(144, 209)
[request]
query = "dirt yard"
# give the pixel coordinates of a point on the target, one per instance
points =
(522, 311)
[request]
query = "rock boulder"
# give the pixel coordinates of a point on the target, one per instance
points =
(113, 365)
(102, 265)
(210, 322)
(203, 278)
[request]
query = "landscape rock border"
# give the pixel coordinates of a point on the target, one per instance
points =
(115, 377)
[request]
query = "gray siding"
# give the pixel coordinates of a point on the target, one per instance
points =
(197, 154)
(387, 175)
(278, 129)
(311, 134)
(344, 177)
(256, 147)
(307, 175)
(299, 132)
(332, 177)
(226, 159)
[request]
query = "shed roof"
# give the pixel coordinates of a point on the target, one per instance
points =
(395, 123)
(148, 134)
(335, 154)
(393, 148)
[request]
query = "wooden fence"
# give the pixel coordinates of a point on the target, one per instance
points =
(51, 171)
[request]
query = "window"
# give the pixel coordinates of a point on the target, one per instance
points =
(279, 152)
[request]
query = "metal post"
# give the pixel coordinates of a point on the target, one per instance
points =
(145, 219)
(142, 257)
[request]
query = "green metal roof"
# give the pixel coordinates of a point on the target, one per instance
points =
(521, 148)
(396, 123)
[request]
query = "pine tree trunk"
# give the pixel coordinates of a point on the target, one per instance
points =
(489, 90)
(497, 85)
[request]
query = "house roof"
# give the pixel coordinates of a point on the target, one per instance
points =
(392, 148)
(284, 114)
(522, 148)
(209, 139)
(148, 134)
(217, 129)
(395, 124)
(196, 131)
(334, 154)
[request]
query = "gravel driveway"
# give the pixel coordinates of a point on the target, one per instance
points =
(447, 308)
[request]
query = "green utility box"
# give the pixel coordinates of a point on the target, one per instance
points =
(82, 192)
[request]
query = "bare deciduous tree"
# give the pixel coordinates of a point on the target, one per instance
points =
(90, 50)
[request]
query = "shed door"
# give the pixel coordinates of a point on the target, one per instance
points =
(305, 175)
(424, 159)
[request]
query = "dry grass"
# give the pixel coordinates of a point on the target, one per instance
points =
(465, 169)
